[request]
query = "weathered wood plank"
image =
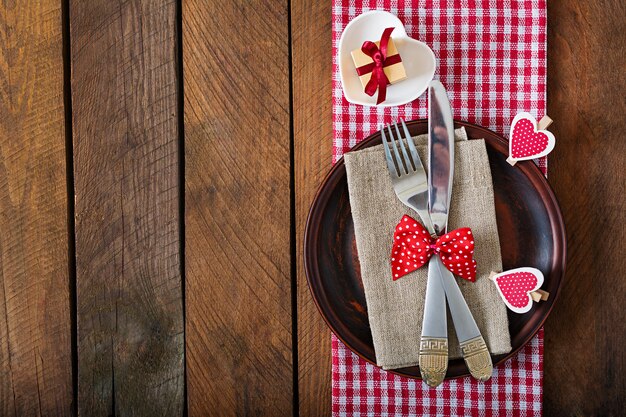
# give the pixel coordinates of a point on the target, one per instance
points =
(312, 115)
(586, 333)
(237, 216)
(35, 327)
(129, 283)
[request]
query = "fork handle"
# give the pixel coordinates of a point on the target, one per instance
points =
(433, 356)
(433, 359)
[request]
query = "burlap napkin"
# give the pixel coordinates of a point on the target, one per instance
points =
(395, 308)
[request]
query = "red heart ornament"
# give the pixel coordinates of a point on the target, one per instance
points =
(516, 285)
(526, 142)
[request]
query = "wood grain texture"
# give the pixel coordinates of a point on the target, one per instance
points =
(35, 327)
(312, 118)
(237, 215)
(129, 283)
(586, 334)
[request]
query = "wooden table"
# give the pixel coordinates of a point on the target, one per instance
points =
(157, 162)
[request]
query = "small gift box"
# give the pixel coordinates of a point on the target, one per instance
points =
(379, 64)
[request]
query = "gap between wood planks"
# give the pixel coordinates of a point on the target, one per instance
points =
(181, 182)
(69, 172)
(292, 230)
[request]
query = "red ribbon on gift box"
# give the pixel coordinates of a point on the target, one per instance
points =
(379, 80)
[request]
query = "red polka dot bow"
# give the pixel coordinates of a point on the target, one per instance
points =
(413, 247)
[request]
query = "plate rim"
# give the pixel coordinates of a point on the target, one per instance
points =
(530, 170)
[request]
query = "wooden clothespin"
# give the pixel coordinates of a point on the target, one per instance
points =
(539, 295)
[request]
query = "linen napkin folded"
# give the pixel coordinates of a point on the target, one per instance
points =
(395, 308)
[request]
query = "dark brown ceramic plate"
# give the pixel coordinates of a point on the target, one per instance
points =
(531, 234)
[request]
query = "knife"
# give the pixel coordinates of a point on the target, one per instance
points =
(441, 170)
(433, 355)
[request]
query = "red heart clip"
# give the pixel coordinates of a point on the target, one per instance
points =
(527, 140)
(517, 287)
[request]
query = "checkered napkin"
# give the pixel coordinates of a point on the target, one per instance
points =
(491, 58)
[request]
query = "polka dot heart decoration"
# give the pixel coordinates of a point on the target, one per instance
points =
(529, 140)
(520, 287)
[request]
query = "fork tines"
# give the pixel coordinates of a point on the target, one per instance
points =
(407, 163)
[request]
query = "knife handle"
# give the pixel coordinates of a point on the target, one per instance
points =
(477, 358)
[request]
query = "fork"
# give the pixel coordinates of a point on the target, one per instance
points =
(409, 176)
(410, 184)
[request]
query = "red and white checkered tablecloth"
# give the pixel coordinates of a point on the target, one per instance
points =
(361, 389)
(492, 59)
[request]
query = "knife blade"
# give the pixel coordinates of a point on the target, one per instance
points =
(441, 172)
(440, 155)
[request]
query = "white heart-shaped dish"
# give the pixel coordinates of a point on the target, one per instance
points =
(418, 59)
